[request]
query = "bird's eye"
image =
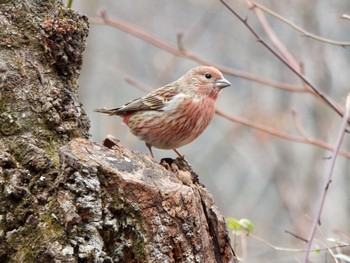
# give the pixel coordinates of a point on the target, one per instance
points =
(208, 76)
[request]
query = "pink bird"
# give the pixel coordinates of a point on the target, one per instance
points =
(175, 114)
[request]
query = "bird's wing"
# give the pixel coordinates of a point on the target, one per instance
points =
(155, 100)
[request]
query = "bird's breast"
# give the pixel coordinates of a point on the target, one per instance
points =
(174, 127)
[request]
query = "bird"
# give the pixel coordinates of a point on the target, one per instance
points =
(175, 114)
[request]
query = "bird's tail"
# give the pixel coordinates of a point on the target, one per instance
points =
(109, 112)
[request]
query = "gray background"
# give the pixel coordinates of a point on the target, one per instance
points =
(251, 174)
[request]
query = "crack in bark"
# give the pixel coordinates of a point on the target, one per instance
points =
(212, 231)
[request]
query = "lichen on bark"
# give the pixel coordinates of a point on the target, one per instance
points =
(41, 44)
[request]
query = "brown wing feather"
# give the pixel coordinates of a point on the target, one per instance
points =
(153, 101)
(108, 111)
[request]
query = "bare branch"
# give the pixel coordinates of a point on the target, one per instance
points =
(281, 134)
(295, 235)
(299, 29)
(136, 84)
(345, 16)
(271, 34)
(286, 249)
(317, 91)
(337, 145)
(172, 49)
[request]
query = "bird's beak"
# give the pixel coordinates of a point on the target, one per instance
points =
(222, 83)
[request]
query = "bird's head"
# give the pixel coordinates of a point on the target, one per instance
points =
(204, 81)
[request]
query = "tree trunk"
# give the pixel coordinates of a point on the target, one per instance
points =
(64, 198)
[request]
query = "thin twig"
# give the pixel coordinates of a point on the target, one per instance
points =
(345, 16)
(244, 245)
(137, 85)
(297, 28)
(285, 249)
(193, 34)
(280, 134)
(337, 145)
(271, 34)
(310, 139)
(300, 129)
(276, 41)
(296, 236)
(318, 92)
(333, 255)
(172, 49)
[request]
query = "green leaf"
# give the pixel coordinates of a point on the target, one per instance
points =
(233, 223)
(246, 224)
(237, 226)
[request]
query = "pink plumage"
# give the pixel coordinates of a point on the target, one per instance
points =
(176, 114)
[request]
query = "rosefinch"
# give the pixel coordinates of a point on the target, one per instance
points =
(176, 114)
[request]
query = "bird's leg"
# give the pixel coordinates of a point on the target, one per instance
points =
(179, 154)
(182, 158)
(149, 146)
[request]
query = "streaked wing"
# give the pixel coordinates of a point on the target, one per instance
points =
(153, 101)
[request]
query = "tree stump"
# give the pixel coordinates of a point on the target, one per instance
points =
(64, 198)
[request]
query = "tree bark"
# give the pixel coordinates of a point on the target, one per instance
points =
(64, 198)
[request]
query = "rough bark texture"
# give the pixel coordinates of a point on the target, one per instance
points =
(66, 199)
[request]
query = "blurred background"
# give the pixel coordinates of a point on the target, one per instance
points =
(252, 174)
